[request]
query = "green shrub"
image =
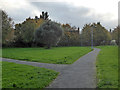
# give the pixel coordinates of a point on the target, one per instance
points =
(49, 33)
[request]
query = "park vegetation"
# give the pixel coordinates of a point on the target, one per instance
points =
(107, 67)
(56, 55)
(25, 76)
(43, 32)
(51, 33)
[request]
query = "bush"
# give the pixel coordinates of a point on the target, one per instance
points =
(49, 33)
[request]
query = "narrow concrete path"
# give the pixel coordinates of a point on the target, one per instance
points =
(80, 74)
(56, 67)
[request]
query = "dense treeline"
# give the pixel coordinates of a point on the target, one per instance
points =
(71, 36)
(24, 34)
(116, 35)
(101, 36)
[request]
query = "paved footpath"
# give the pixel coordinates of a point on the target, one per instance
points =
(80, 74)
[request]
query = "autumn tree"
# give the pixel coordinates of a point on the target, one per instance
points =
(24, 32)
(71, 36)
(101, 36)
(116, 35)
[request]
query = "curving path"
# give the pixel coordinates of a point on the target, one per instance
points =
(80, 74)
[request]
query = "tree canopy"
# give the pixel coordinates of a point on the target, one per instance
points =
(48, 33)
(7, 28)
(101, 36)
(40, 31)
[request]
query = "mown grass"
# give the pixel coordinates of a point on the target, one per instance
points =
(56, 55)
(25, 76)
(107, 67)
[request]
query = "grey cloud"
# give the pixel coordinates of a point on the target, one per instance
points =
(19, 15)
(66, 13)
(60, 12)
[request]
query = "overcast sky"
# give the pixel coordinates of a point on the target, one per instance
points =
(75, 12)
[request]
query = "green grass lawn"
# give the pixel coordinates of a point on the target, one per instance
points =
(56, 55)
(107, 67)
(25, 76)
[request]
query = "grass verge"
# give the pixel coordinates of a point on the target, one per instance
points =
(107, 67)
(25, 76)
